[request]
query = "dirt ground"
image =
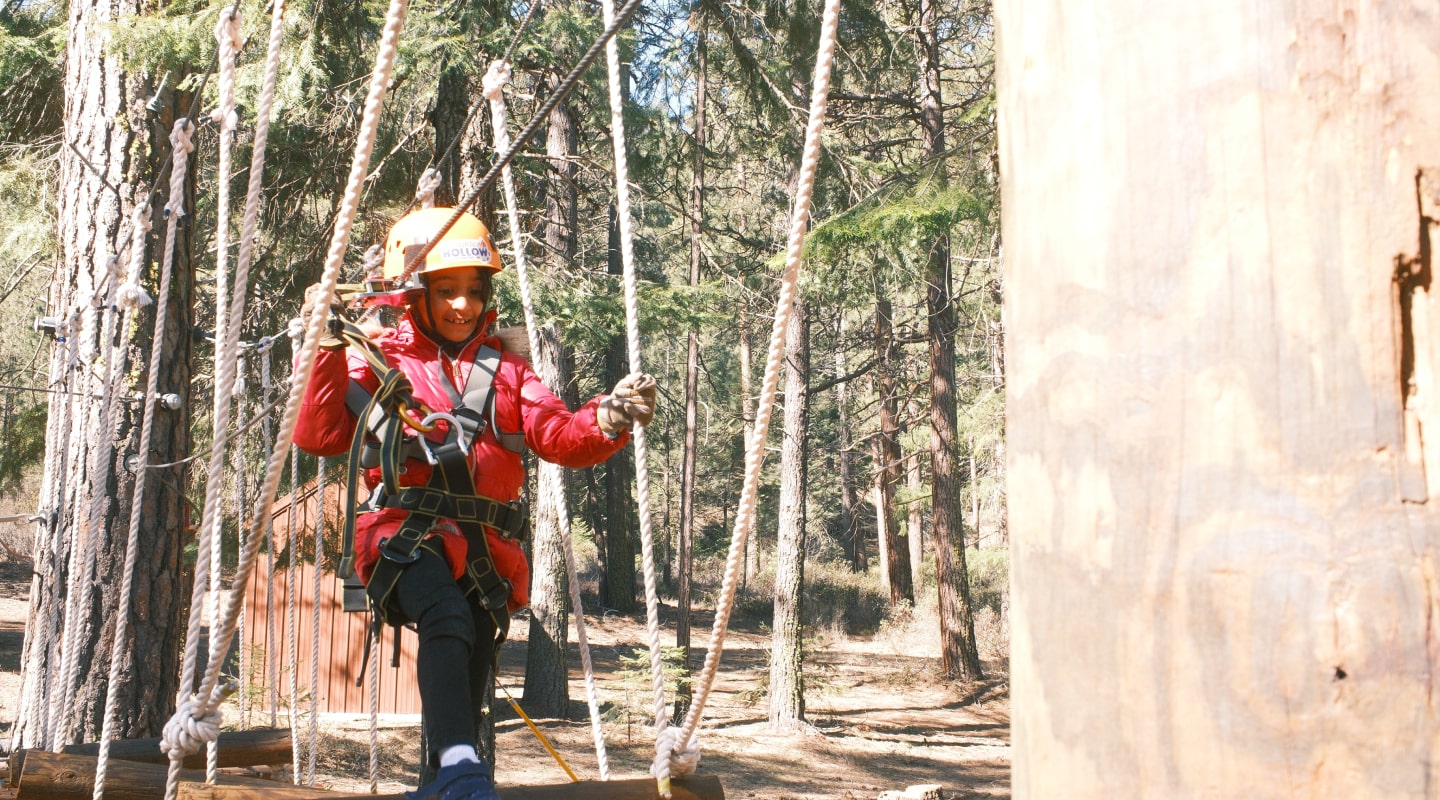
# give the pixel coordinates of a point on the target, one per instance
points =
(879, 719)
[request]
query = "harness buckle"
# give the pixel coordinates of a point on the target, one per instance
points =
(455, 428)
(395, 556)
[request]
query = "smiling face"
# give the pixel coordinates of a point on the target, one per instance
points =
(456, 299)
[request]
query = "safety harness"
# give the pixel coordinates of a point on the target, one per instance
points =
(380, 441)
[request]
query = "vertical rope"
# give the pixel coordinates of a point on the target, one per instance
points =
(291, 625)
(632, 338)
(238, 471)
(272, 661)
(754, 456)
(181, 147)
(315, 624)
(129, 297)
(209, 696)
(375, 711)
(494, 84)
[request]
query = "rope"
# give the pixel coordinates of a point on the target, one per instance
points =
(375, 711)
(425, 190)
(754, 456)
(525, 135)
(632, 337)
(494, 84)
(314, 735)
(384, 63)
(116, 365)
(292, 625)
(180, 147)
(272, 664)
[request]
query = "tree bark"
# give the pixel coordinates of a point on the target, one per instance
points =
(619, 579)
(692, 387)
(1247, 263)
(959, 655)
(787, 680)
(915, 517)
(845, 532)
(895, 553)
(105, 120)
(547, 686)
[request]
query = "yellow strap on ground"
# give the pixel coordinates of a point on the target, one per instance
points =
(541, 736)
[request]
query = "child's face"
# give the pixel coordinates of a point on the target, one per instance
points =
(456, 300)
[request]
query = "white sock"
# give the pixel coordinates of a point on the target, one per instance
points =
(457, 753)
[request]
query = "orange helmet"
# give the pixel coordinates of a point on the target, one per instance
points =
(466, 244)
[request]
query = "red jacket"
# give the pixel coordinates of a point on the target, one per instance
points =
(522, 403)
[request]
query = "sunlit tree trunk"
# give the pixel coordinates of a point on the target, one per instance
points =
(959, 654)
(86, 465)
(894, 552)
(547, 688)
(787, 651)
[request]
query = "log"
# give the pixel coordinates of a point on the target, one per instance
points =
(236, 749)
(61, 776)
(695, 787)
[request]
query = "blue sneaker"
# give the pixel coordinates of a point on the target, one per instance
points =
(468, 780)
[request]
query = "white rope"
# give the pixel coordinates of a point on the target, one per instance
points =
(220, 639)
(228, 39)
(181, 147)
(375, 711)
(494, 85)
(425, 189)
(755, 454)
(314, 735)
(117, 365)
(632, 337)
(131, 296)
(272, 662)
(297, 332)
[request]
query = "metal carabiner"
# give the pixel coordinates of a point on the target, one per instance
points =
(429, 425)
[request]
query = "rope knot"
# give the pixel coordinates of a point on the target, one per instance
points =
(425, 189)
(673, 756)
(184, 734)
(296, 330)
(374, 260)
(131, 297)
(495, 79)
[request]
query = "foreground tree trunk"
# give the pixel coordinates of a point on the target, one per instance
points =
(787, 651)
(87, 487)
(1248, 510)
(959, 655)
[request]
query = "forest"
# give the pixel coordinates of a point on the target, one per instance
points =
(882, 490)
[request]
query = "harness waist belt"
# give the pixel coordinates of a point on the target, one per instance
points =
(507, 518)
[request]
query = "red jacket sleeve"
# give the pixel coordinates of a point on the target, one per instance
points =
(326, 426)
(555, 434)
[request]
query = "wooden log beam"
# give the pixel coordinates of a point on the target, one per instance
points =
(43, 775)
(61, 776)
(695, 787)
(236, 749)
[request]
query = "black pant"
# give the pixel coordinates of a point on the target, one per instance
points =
(456, 652)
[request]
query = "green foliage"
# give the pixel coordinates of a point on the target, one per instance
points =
(637, 708)
(22, 426)
(32, 39)
(989, 570)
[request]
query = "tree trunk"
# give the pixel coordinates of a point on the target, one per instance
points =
(70, 593)
(619, 579)
(959, 655)
(787, 680)
(692, 387)
(845, 526)
(915, 517)
(85, 464)
(1257, 525)
(895, 553)
(547, 688)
